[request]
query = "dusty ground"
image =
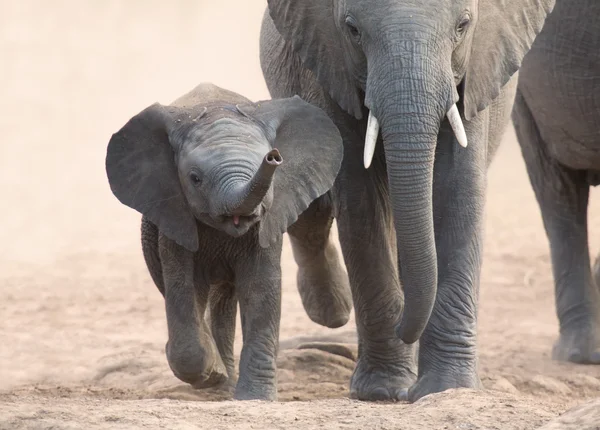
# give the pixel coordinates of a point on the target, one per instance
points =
(83, 329)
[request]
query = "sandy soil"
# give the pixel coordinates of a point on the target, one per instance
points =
(83, 328)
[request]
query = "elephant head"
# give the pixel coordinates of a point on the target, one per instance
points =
(412, 64)
(227, 166)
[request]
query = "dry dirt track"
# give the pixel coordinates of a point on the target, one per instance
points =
(82, 328)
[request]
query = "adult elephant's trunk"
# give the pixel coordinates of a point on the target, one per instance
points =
(242, 200)
(410, 97)
(409, 156)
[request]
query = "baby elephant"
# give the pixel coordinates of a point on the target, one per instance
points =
(218, 180)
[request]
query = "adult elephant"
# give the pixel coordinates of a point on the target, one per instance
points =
(557, 120)
(409, 67)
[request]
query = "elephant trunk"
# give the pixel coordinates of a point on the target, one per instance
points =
(243, 200)
(409, 158)
(409, 109)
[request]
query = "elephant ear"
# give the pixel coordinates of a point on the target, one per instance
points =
(309, 27)
(311, 147)
(141, 170)
(505, 32)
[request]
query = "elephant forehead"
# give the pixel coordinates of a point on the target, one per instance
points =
(221, 143)
(229, 130)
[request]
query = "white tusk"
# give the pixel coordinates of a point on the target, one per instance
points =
(457, 126)
(370, 139)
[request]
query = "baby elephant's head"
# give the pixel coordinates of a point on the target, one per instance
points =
(217, 158)
(226, 165)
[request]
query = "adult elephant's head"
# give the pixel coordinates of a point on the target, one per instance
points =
(409, 62)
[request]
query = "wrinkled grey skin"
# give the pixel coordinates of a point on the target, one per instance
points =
(218, 180)
(415, 217)
(557, 120)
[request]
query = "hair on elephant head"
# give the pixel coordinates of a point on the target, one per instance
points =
(411, 64)
(215, 157)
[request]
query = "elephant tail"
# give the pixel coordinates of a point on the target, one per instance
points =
(151, 254)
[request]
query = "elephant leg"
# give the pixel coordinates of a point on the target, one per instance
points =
(448, 353)
(258, 287)
(322, 280)
(562, 195)
(385, 366)
(191, 350)
(222, 317)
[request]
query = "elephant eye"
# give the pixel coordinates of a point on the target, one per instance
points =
(195, 178)
(463, 24)
(352, 28)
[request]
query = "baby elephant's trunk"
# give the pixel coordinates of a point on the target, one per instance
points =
(245, 199)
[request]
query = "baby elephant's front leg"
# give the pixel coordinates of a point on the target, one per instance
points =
(258, 284)
(191, 350)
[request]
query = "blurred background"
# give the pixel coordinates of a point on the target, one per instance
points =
(77, 306)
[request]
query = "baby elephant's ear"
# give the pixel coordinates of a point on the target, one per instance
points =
(141, 170)
(311, 147)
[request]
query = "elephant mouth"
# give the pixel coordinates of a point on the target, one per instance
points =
(239, 221)
(234, 225)
(237, 225)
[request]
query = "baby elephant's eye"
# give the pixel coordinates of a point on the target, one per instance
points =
(195, 178)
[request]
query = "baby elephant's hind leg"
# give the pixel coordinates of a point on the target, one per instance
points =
(322, 281)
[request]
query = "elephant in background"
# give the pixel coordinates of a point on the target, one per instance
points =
(218, 180)
(409, 84)
(557, 121)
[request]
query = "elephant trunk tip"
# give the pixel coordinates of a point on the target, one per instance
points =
(410, 329)
(274, 157)
(407, 335)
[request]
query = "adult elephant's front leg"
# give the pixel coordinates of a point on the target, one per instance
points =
(448, 355)
(385, 367)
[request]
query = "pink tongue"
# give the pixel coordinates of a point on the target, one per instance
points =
(236, 219)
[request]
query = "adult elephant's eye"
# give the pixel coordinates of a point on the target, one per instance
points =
(195, 178)
(352, 28)
(463, 23)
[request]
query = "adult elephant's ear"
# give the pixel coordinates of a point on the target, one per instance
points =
(311, 147)
(141, 170)
(309, 26)
(504, 33)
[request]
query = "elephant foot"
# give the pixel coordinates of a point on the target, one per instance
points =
(325, 291)
(436, 382)
(266, 392)
(258, 374)
(200, 368)
(200, 380)
(580, 345)
(213, 379)
(374, 382)
(229, 385)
